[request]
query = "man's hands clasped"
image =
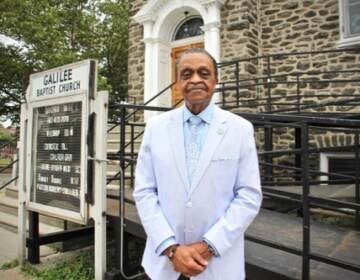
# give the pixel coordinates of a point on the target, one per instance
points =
(191, 260)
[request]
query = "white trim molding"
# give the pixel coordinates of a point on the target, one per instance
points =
(347, 39)
(160, 19)
(324, 162)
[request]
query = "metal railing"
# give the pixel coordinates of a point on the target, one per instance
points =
(306, 177)
(302, 176)
(12, 145)
(276, 83)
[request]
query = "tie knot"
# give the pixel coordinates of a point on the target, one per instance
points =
(195, 120)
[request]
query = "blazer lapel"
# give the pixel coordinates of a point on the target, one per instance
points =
(176, 135)
(216, 132)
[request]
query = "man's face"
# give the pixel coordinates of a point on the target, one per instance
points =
(196, 80)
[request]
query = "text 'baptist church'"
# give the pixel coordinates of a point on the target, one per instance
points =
(59, 81)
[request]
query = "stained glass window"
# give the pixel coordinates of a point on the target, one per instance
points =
(189, 28)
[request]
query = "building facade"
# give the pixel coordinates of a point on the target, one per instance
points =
(242, 30)
(235, 29)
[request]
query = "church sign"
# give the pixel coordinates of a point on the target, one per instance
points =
(58, 116)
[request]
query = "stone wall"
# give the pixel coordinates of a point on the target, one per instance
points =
(239, 40)
(286, 26)
(259, 28)
(292, 25)
(136, 54)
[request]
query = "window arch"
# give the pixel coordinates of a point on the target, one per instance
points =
(189, 28)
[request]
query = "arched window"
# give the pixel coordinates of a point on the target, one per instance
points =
(189, 28)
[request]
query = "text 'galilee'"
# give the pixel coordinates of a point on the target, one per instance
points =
(58, 82)
(59, 76)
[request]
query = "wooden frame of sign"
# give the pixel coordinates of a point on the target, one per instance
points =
(57, 152)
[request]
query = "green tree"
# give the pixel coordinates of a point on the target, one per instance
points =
(57, 32)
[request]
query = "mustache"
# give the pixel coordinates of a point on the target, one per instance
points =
(195, 87)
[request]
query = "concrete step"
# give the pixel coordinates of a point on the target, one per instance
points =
(114, 166)
(9, 205)
(116, 135)
(115, 145)
(11, 191)
(10, 222)
(136, 128)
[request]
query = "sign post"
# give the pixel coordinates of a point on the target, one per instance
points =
(63, 150)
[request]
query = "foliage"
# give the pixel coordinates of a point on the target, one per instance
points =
(79, 268)
(9, 265)
(53, 33)
(5, 137)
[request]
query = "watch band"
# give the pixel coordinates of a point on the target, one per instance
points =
(210, 248)
(171, 251)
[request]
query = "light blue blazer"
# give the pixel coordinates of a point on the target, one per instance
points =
(223, 199)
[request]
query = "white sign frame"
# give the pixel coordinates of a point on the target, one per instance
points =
(82, 95)
(81, 68)
(49, 210)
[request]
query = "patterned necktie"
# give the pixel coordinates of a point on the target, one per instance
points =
(194, 145)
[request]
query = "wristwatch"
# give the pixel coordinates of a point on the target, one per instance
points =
(171, 251)
(210, 248)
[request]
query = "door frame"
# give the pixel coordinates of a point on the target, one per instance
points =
(178, 45)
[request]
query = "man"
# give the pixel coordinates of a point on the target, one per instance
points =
(197, 182)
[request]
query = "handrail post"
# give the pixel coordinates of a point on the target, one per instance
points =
(122, 173)
(269, 101)
(223, 94)
(305, 202)
(298, 157)
(33, 241)
(132, 150)
(237, 73)
(357, 179)
(298, 92)
(268, 137)
(122, 137)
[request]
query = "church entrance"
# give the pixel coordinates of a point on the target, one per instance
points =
(176, 96)
(170, 27)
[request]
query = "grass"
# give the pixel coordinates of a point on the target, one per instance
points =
(78, 268)
(4, 161)
(9, 265)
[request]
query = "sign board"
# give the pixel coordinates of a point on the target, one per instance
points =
(62, 81)
(56, 147)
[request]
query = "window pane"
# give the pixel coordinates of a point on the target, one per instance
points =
(190, 28)
(354, 14)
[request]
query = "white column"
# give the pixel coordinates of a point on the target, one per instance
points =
(212, 39)
(149, 78)
(212, 35)
(21, 234)
(98, 209)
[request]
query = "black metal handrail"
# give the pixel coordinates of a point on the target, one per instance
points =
(271, 78)
(145, 104)
(12, 162)
(286, 54)
(302, 174)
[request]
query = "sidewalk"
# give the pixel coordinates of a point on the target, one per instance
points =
(8, 253)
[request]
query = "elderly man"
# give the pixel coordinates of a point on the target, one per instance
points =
(197, 182)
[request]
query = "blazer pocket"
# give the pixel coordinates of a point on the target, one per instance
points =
(223, 159)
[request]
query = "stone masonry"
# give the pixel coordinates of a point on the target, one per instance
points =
(259, 28)
(136, 54)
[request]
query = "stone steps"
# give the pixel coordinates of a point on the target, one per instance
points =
(8, 197)
(9, 207)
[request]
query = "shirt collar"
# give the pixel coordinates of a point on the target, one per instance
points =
(206, 114)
